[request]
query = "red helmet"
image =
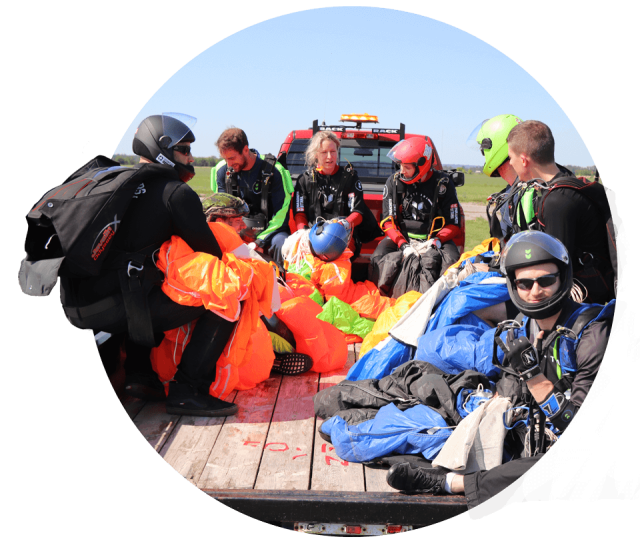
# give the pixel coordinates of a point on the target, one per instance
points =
(416, 151)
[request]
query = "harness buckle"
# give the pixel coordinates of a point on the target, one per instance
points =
(132, 267)
(589, 258)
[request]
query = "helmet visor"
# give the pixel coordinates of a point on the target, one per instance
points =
(546, 242)
(472, 140)
(176, 126)
(392, 154)
(400, 150)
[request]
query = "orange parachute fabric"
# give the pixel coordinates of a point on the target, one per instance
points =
(219, 284)
(297, 286)
(193, 278)
(323, 342)
(332, 278)
(166, 357)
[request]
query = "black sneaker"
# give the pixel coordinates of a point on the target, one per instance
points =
(413, 479)
(292, 363)
(185, 400)
(144, 387)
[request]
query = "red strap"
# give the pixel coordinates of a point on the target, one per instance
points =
(300, 220)
(354, 219)
(448, 232)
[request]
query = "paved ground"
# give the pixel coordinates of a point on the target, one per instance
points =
(474, 211)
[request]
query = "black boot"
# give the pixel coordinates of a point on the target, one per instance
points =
(413, 479)
(184, 399)
(141, 381)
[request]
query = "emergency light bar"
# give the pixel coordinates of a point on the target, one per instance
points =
(359, 118)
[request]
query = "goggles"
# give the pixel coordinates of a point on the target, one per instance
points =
(544, 281)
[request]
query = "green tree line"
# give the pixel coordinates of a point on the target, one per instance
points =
(127, 160)
(586, 171)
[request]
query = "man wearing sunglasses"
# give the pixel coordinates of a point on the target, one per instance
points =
(552, 354)
(137, 314)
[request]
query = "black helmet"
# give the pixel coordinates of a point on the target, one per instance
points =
(225, 206)
(535, 247)
(157, 135)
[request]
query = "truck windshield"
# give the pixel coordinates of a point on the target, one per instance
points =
(368, 161)
(369, 158)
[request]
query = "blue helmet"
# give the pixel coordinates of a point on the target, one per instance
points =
(328, 240)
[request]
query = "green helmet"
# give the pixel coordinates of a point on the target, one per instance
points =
(491, 135)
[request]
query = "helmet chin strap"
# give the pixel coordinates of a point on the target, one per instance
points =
(186, 173)
(542, 310)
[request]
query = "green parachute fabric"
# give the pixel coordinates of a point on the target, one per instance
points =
(345, 318)
(302, 268)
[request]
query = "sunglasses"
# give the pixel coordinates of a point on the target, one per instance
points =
(184, 149)
(544, 281)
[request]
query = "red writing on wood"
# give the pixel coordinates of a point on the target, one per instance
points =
(328, 459)
(286, 447)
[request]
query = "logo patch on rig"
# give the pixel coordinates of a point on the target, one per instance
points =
(103, 238)
(257, 187)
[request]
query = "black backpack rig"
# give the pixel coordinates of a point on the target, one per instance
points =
(521, 206)
(70, 234)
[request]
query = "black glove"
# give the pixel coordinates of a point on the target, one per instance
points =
(521, 356)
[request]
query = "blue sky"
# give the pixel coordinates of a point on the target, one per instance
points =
(283, 73)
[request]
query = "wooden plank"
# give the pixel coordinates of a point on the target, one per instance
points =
(376, 480)
(155, 424)
(191, 443)
(236, 455)
(329, 472)
(286, 460)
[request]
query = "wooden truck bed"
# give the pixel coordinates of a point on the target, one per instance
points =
(269, 462)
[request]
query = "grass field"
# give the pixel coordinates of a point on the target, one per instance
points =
(476, 189)
(476, 232)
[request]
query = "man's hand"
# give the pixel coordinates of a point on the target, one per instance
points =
(344, 222)
(408, 250)
(522, 357)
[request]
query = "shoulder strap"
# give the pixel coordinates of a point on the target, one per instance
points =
(396, 193)
(584, 318)
(496, 200)
(231, 182)
(347, 175)
(436, 194)
(269, 162)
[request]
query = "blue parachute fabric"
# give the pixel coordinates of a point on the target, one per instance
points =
(467, 402)
(380, 361)
(470, 295)
(418, 430)
(458, 347)
(480, 257)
